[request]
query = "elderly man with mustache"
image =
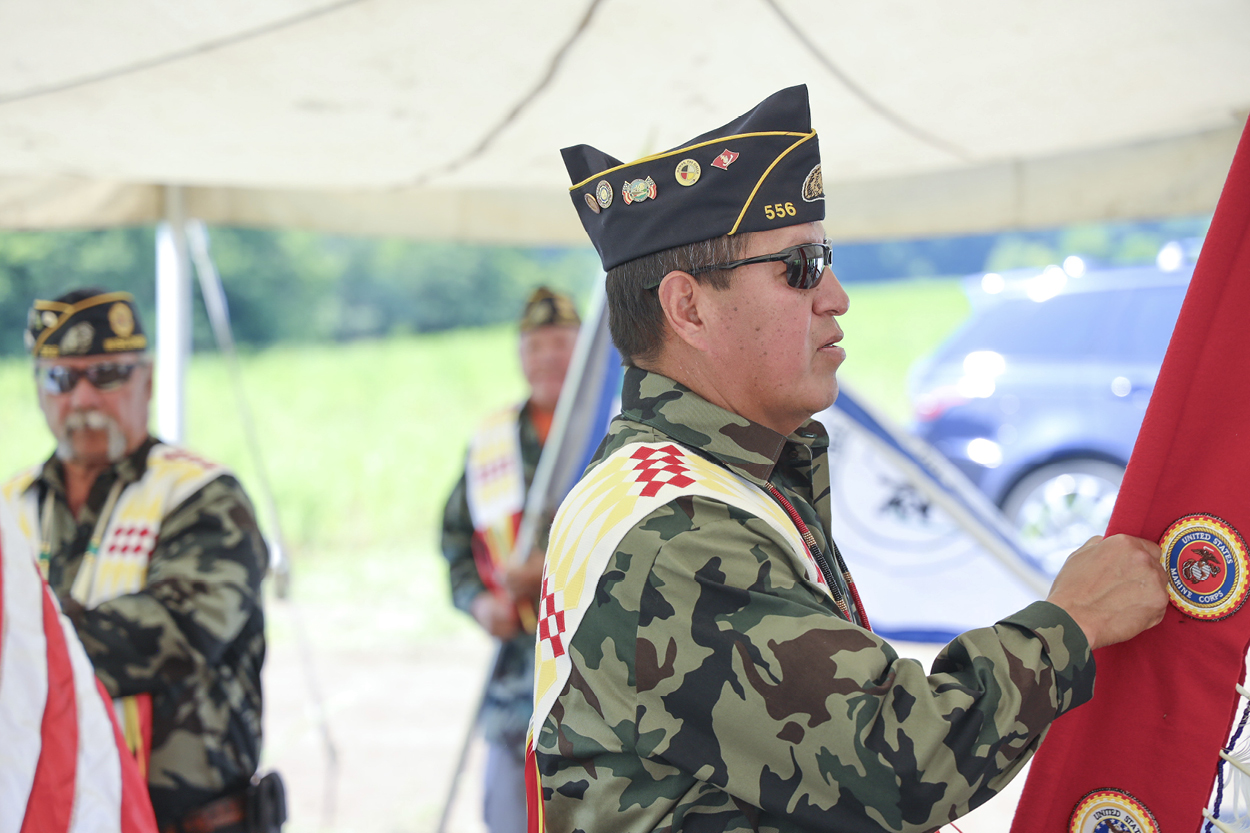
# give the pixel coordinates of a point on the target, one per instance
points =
(156, 558)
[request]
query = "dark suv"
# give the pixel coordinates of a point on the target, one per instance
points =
(1039, 396)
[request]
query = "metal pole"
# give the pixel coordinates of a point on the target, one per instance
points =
(173, 319)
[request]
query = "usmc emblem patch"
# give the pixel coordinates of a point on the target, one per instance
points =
(1111, 811)
(1208, 567)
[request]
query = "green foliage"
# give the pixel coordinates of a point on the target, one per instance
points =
(889, 325)
(296, 286)
(48, 264)
(1113, 244)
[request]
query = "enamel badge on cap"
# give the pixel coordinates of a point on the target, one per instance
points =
(603, 193)
(687, 172)
(1207, 567)
(638, 190)
(725, 159)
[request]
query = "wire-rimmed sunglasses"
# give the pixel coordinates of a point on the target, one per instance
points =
(805, 264)
(55, 378)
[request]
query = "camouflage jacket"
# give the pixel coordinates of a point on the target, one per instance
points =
(714, 688)
(193, 638)
(510, 691)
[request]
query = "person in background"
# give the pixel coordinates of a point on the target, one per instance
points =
(157, 560)
(480, 523)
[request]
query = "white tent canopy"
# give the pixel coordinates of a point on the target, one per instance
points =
(443, 118)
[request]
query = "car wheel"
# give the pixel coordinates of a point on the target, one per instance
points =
(1057, 507)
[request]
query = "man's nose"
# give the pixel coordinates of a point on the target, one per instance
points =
(83, 393)
(830, 295)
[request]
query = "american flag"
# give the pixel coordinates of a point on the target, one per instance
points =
(64, 767)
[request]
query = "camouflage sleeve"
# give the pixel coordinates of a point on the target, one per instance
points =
(203, 585)
(745, 679)
(457, 544)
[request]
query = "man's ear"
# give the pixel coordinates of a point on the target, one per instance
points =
(681, 297)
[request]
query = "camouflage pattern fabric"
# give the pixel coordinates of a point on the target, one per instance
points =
(510, 692)
(714, 688)
(193, 637)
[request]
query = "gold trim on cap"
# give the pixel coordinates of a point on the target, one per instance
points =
(668, 153)
(67, 311)
(754, 190)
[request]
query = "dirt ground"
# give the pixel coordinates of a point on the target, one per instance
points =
(397, 718)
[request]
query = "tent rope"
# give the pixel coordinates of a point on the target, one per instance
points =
(866, 97)
(512, 115)
(179, 55)
(215, 303)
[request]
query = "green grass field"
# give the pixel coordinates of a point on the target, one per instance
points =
(364, 440)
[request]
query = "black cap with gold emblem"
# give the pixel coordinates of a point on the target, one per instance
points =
(546, 309)
(761, 171)
(85, 322)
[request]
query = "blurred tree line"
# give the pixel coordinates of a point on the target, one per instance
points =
(295, 285)
(303, 286)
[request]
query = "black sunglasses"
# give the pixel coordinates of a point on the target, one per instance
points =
(103, 376)
(805, 265)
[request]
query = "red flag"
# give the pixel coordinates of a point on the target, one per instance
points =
(1147, 746)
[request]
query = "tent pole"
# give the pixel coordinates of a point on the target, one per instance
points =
(173, 318)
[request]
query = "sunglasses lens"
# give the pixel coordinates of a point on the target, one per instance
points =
(108, 376)
(806, 266)
(57, 379)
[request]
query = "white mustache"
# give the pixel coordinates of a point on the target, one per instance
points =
(92, 419)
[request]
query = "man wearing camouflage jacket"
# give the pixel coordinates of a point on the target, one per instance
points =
(156, 558)
(704, 663)
(480, 522)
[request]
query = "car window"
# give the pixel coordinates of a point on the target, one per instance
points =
(1125, 325)
(1146, 323)
(1064, 327)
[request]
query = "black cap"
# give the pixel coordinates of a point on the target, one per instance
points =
(761, 171)
(548, 309)
(85, 322)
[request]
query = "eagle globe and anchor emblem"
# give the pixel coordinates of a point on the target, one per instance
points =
(1207, 565)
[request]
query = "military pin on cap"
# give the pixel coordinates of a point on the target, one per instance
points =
(687, 172)
(726, 158)
(603, 193)
(593, 203)
(638, 190)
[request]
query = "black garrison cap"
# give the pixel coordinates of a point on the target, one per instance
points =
(761, 171)
(548, 309)
(85, 322)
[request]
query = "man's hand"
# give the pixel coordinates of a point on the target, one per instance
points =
(1114, 588)
(497, 616)
(524, 580)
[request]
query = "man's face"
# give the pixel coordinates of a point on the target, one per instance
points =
(96, 427)
(774, 346)
(545, 355)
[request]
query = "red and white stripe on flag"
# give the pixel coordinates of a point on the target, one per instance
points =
(64, 767)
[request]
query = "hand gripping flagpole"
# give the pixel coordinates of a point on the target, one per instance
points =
(1164, 734)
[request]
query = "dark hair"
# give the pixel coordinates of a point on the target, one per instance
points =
(635, 317)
